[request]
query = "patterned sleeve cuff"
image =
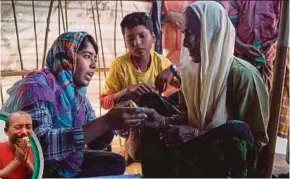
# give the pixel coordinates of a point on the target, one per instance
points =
(78, 135)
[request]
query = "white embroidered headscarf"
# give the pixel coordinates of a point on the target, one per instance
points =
(204, 83)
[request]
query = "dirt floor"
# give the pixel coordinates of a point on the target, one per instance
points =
(280, 164)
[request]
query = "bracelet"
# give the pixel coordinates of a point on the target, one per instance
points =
(163, 124)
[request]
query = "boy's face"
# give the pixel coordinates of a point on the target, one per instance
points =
(139, 40)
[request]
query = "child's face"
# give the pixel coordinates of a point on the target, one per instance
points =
(139, 40)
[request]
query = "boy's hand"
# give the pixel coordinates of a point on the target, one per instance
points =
(140, 89)
(163, 79)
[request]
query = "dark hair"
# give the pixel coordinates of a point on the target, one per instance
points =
(90, 39)
(134, 19)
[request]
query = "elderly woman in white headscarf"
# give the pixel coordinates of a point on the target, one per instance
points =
(225, 107)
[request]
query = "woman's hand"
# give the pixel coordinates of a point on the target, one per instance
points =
(177, 135)
(122, 116)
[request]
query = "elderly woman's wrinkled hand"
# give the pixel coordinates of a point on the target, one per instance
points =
(153, 119)
(177, 135)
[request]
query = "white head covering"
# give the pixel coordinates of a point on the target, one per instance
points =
(204, 84)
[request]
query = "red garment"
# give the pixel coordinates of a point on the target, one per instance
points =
(171, 36)
(107, 101)
(256, 21)
(7, 155)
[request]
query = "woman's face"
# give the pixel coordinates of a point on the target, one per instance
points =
(85, 65)
(192, 35)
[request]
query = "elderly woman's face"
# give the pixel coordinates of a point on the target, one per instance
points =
(85, 65)
(192, 35)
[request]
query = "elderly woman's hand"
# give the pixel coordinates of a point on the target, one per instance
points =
(177, 135)
(153, 119)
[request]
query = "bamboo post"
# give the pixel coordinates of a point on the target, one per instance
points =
(101, 39)
(35, 35)
(7, 73)
(66, 18)
(115, 31)
(278, 80)
(122, 12)
(58, 16)
(94, 20)
(46, 33)
(96, 35)
(121, 2)
(17, 35)
(62, 16)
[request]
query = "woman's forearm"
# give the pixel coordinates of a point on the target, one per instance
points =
(95, 129)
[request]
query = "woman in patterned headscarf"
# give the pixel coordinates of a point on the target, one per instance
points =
(64, 120)
(225, 106)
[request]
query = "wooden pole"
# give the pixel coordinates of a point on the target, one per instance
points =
(62, 16)
(35, 34)
(46, 32)
(58, 16)
(98, 56)
(278, 80)
(101, 38)
(115, 29)
(6, 73)
(66, 18)
(17, 35)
